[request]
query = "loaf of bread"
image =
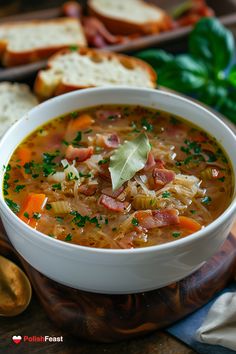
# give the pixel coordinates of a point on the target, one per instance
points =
(15, 100)
(72, 70)
(29, 41)
(127, 17)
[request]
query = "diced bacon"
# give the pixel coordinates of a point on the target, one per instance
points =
(114, 194)
(78, 154)
(112, 204)
(88, 190)
(150, 162)
(110, 141)
(160, 164)
(150, 219)
(104, 172)
(126, 241)
(105, 114)
(162, 176)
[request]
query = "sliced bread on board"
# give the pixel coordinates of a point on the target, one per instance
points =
(15, 100)
(29, 41)
(127, 17)
(73, 70)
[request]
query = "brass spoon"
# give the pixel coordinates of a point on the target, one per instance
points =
(15, 289)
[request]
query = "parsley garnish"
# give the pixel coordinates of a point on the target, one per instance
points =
(36, 216)
(193, 211)
(77, 139)
(59, 219)
(19, 188)
(104, 161)
(206, 200)
(26, 215)
(57, 186)
(176, 234)
(74, 115)
(80, 220)
(12, 205)
(86, 175)
(166, 194)
(135, 222)
(146, 125)
(48, 206)
(68, 237)
(222, 179)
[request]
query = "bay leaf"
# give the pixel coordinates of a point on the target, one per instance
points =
(128, 159)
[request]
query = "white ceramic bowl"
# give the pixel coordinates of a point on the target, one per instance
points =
(116, 271)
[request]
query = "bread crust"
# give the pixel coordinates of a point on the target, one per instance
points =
(44, 92)
(11, 58)
(123, 27)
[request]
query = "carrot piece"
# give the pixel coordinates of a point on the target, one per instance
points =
(189, 224)
(84, 121)
(33, 203)
(24, 155)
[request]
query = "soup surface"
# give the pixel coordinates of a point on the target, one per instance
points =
(118, 177)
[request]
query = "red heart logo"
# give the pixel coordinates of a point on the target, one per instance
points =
(17, 339)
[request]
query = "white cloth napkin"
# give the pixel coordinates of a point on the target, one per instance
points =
(219, 327)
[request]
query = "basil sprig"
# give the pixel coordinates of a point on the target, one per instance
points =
(206, 72)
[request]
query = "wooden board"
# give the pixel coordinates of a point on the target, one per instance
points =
(174, 40)
(111, 318)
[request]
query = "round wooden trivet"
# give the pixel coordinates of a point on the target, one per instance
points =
(110, 318)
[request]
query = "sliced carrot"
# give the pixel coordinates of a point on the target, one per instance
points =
(189, 224)
(24, 155)
(32, 204)
(84, 121)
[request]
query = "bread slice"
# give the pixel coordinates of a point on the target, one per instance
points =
(126, 17)
(15, 100)
(72, 70)
(29, 41)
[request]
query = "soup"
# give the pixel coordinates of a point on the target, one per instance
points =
(118, 177)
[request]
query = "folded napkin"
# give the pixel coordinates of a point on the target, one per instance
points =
(219, 326)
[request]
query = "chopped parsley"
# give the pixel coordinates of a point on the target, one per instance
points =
(206, 200)
(26, 215)
(176, 234)
(135, 222)
(77, 139)
(74, 115)
(146, 125)
(103, 161)
(80, 220)
(65, 143)
(114, 229)
(48, 206)
(59, 219)
(57, 186)
(106, 221)
(37, 216)
(68, 237)
(135, 128)
(19, 187)
(166, 194)
(222, 179)
(12, 205)
(86, 175)
(193, 211)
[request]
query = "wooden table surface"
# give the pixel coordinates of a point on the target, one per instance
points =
(33, 322)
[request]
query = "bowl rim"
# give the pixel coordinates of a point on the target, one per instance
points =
(8, 213)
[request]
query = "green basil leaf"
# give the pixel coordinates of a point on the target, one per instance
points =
(184, 74)
(155, 57)
(229, 107)
(128, 159)
(212, 42)
(213, 95)
(232, 76)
